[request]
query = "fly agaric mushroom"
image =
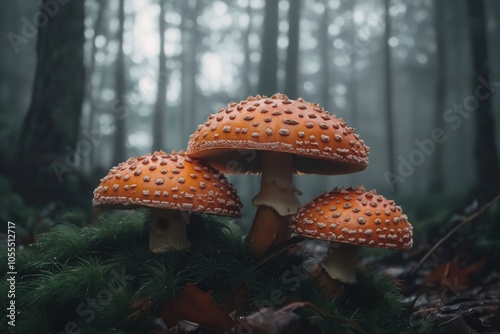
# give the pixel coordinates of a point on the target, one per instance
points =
(288, 136)
(168, 184)
(352, 218)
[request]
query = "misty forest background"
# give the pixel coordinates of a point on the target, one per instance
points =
(105, 80)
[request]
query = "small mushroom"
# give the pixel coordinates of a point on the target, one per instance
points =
(277, 137)
(350, 219)
(170, 185)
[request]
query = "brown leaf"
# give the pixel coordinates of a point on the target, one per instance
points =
(196, 306)
(452, 273)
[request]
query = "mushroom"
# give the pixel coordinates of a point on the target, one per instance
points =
(287, 136)
(350, 219)
(169, 184)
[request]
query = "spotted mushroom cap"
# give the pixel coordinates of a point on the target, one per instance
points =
(279, 124)
(168, 181)
(355, 216)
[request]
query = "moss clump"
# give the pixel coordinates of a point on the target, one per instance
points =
(93, 278)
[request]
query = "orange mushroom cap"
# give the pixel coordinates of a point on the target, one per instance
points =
(278, 124)
(355, 216)
(168, 181)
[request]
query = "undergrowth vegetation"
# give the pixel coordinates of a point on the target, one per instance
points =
(91, 279)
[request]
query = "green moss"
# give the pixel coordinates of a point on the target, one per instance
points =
(90, 277)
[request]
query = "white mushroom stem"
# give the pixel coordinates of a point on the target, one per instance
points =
(168, 231)
(341, 262)
(276, 201)
(276, 185)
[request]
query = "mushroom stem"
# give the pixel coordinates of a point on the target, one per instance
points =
(276, 201)
(168, 231)
(276, 186)
(341, 262)
(268, 229)
(331, 287)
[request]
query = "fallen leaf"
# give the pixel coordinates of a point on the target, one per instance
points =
(196, 306)
(451, 273)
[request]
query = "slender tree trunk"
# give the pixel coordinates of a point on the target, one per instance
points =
(388, 91)
(98, 27)
(353, 82)
(485, 153)
(437, 177)
(188, 67)
(193, 67)
(161, 93)
(247, 86)
(268, 80)
(353, 89)
(53, 119)
(291, 79)
(325, 56)
(120, 109)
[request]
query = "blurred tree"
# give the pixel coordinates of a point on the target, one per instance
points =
(292, 54)
(388, 90)
(120, 108)
(247, 85)
(13, 80)
(49, 150)
(437, 177)
(53, 119)
(189, 67)
(487, 168)
(268, 80)
(325, 43)
(353, 84)
(161, 92)
(98, 29)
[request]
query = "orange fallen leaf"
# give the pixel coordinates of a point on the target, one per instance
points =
(196, 306)
(452, 272)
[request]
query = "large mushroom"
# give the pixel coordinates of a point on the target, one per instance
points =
(351, 218)
(169, 184)
(288, 136)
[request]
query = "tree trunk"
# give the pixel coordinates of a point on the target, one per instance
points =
(388, 91)
(353, 82)
(437, 176)
(485, 153)
(161, 93)
(53, 119)
(293, 49)
(120, 109)
(325, 56)
(268, 80)
(189, 66)
(48, 148)
(88, 84)
(247, 86)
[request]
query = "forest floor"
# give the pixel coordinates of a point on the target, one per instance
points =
(447, 280)
(450, 279)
